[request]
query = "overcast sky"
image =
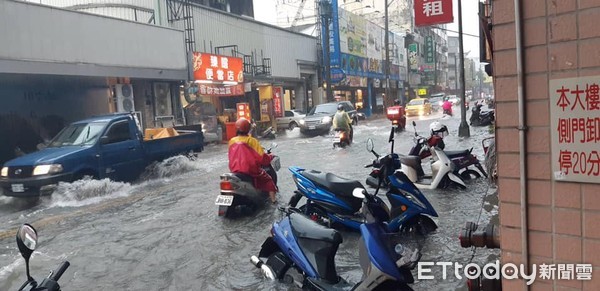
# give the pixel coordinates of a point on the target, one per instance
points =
(264, 10)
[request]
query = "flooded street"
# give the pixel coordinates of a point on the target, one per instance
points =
(164, 233)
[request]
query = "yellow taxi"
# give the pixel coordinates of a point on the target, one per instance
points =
(418, 106)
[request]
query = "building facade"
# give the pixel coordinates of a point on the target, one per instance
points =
(549, 209)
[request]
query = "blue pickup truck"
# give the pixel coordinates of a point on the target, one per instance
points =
(110, 146)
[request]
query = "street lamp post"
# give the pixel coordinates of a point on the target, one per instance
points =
(326, 14)
(387, 54)
(463, 129)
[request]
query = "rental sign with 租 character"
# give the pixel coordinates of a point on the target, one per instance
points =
(430, 12)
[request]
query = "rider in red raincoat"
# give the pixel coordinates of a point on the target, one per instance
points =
(247, 156)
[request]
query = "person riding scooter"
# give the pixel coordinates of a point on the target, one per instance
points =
(342, 122)
(246, 156)
(447, 107)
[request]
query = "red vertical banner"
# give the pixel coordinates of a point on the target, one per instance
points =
(430, 12)
(277, 101)
(243, 111)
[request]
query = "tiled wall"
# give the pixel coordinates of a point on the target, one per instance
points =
(561, 40)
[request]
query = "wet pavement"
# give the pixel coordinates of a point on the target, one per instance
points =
(163, 233)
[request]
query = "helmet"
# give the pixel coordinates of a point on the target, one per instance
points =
(396, 102)
(340, 106)
(439, 129)
(243, 126)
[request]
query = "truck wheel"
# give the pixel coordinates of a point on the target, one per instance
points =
(83, 174)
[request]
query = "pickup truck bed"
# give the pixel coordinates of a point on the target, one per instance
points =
(162, 148)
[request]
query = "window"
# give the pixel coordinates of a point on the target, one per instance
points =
(289, 114)
(119, 132)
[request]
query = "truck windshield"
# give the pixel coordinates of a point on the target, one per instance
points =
(78, 134)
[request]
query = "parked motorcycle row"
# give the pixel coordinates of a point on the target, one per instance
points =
(303, 244)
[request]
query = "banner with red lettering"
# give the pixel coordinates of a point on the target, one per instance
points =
(217, 68)
(575, 129)
(430, 12)
(277, 101)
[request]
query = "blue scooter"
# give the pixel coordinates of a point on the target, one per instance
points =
(302, 252)
(330, 201)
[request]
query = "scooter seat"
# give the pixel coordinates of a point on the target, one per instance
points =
(304, 227)
(338, 185)
(244, 177)
(455, 154)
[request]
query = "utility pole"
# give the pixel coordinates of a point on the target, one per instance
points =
(463, 129)
(326, 13)
(387, 55)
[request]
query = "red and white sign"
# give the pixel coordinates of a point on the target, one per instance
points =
(430, 12)
(217, 68)
(575, 129)
(220, 90)
(277, 101)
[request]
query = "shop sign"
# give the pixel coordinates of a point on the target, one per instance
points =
(217, 68)
(220, 90)
(337, 75)
(413, 56)
(277, 101)
(430, 12)
(575, 129)
(429, 57)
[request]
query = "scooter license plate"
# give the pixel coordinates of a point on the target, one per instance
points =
(17, 188)
(224, 200)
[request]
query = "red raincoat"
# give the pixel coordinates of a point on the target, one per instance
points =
(246, 156)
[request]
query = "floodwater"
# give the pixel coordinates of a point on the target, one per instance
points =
(163, 233)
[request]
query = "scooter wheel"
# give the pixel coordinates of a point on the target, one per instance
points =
(419, 224)
(469, 174)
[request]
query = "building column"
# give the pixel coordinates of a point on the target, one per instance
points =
(300, 97)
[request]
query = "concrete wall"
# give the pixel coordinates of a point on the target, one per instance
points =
(562, 40)
(76, 43)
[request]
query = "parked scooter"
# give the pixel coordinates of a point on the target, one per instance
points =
(329, 201)
(302, 252)
(27, 242)
(341, 138)
(462, 159)
(481, 118)
(442, 168)
(238, 194)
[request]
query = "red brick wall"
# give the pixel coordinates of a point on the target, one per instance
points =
(561, 39)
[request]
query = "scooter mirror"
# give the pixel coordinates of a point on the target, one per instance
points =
(359, 193)
(274, 145)
(370, 145)
(391, 135)
(415, 127)
(27, 242)
(414, 123)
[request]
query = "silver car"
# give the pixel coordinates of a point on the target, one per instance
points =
(290, 120)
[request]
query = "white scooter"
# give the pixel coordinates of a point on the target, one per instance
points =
(442, 169)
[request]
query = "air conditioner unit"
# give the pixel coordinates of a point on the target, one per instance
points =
(124, 94)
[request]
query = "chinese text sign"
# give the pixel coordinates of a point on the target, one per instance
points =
(575, 129)
(216, 68)
(430, 12)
